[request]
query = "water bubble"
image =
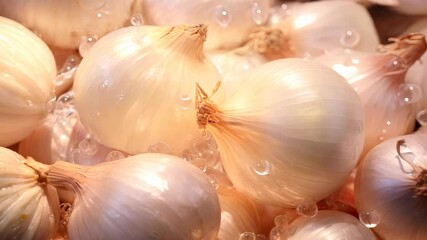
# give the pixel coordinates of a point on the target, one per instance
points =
(67, 71)
(422, 117)
(29, 103)
(213, 181)
(247, 236)
(258, 14)
(350, 39)
(200, 163)
(114, 155)
(90, 5)
(261, 237)
(88, 146)
(159, 148)
(120, 98)
(86, 43)
(197, 234)
(281, 220)
(222, 16)
(409, 93)
(105, 84)
(262, 168)
(307, 209)
(137, 20)
(64, 106)
(279, 233)
(189, 154)
(369, 219)
(185, 101)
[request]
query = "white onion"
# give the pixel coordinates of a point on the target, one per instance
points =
(229, 21)
(390, 103)
(390, 188)
(28, 208)
(328, 225)
(292, 133)
(63, 23)
(141, 80)
(315, 27)
(147, 196)
(27, 72)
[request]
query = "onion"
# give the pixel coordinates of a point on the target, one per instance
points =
(229, 21)
(141, 80)
(27, 72)
(137, 197)
(390, 188)
(292, 133)
(28, 208)
(389, 101)
(329, 225)
(73, 19)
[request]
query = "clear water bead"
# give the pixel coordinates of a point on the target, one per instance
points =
(248, 236)
(91, 5)
(307, 209)
(159, 148)
(262, 168)
(222, 16)
(279, 233)
(369, 219)
(114, 155)
(86, 43)
(422, 117)
(350, 39)
(409, 93)
(281, 220)
(184, 101)
(261, 237)
(213, 181)
(258, 13)
(137, 20)
(200, 163)
(88, 146)
(64, 106)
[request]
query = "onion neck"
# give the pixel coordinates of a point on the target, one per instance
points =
(185, 40)
(206, 110)
(272, 43)
(67, 176)
(41, 169)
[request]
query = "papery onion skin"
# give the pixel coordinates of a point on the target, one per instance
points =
(238, 214)
(27, 207)
(228, 33)
(73, 19)
(329, 224)
(27, 71)
(292, 133)
(315, 27)
(147, 196)
(382, 186)
(142, 80)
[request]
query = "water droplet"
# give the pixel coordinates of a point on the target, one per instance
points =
(137, 20)
(120, 98)
(197, 234)
(261, 237)
(307, 209)
(350, 39)
(91, 5)
(222, 16)
(88, 146)
(369, 219)
(262, 168)
(409, 93)
(86, 43)
(105, 84)
(247, 236)
(159, 148)
(213, 181)
(29, 103)
(51, 104)
(279, 233)
(259, 15)
(185, 101)
(281, 220)
(63, 77)
(200, 163)
(422, 117)
(64, 106)
(394, 65)
(114, 155)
